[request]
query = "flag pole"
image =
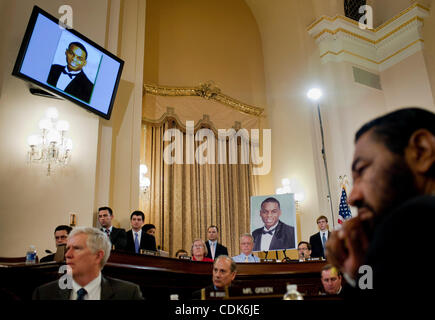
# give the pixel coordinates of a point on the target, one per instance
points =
(325, 164)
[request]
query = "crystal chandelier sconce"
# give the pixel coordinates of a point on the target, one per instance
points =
(51, 147)
(144, 182)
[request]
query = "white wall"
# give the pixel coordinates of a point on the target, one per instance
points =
(32, 204)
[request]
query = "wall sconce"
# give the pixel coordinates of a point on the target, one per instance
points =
(51, 147)
(292, 186)
(144, 182)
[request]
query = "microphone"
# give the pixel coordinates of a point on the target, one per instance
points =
(276, 254)
(266, 252)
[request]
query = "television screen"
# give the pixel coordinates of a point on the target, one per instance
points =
(68, 64)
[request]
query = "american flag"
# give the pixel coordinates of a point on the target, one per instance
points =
(344, 212)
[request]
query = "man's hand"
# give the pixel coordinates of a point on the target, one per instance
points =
(347, 247)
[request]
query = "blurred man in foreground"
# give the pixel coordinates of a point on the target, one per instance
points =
(394, 184)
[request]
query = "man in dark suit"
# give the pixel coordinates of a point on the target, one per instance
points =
(117, 236)
(318, 240)
(394, 190)
(275, 235)
(71, 78)
(60, 237)
(88, 250)
(214, 248)
(224, 272)
(137, 239)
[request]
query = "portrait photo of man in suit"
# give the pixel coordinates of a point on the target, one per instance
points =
(71, 77)
(275, 234)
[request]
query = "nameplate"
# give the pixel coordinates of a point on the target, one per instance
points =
(148, 252)
(184, 258)
(210, 294)
(268, 260)
(255, 291)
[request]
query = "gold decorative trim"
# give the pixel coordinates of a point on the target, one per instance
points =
(364, 38)
(207, 91)
(315, 23)
(370, 60)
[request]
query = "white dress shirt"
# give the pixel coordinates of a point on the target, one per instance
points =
(266, 238)
(93, 289)
(139, 235)
(64, 79)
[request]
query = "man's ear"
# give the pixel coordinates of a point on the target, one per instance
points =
(420, 152)
(100, 255)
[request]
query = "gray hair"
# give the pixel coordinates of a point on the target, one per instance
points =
(96, 240)
(246, 235)
(233, 263)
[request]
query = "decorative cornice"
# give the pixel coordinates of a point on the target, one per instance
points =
(207, 91)
(386, 23)
(340, 39)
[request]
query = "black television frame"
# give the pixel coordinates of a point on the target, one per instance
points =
(23, 49)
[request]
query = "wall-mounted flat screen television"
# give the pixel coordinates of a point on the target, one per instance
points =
(68, 64)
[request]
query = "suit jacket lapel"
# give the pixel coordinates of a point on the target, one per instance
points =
(64, 294)
(276, 239)
(106, 289)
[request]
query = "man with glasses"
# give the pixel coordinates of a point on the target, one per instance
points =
(71, 78)
(304, 251)
(60, 236)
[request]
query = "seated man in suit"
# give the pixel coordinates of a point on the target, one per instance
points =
(60, 236)
(246, 246)
(275, 235)
(214, 248)
(137, 239)
(331, 280)
(304, 251)
(88, 250)
(319, 239)
(71, 78)
(117, 236)
(224, 272)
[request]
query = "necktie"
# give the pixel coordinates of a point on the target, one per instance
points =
(246, 259)
(212, 250)
(323, 243)
(81, 294)
(136, 243)
(107, 232)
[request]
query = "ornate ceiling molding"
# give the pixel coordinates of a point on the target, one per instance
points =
(340, 39)
(207, 91)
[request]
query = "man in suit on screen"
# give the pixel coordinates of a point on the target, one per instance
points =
(71, 78)
(275, 235)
